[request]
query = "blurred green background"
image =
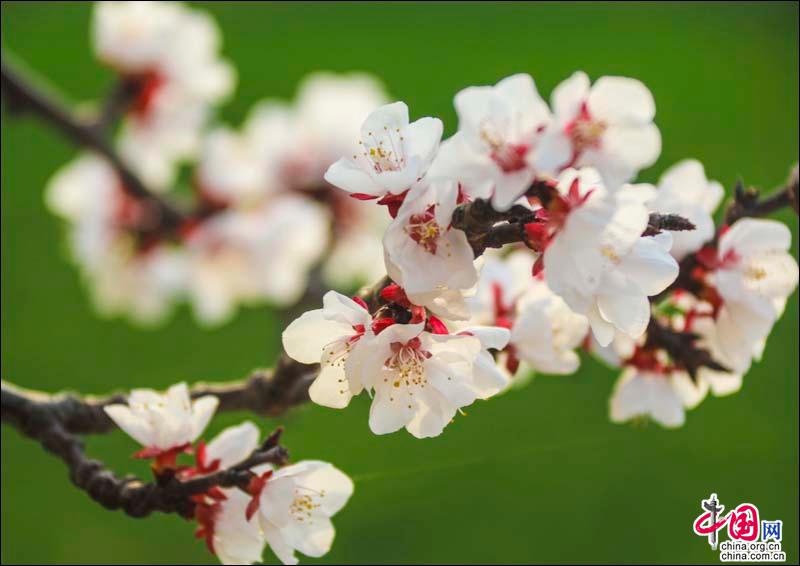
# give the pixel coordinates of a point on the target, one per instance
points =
(538, 475)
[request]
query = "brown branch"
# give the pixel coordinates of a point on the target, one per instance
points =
(681, 347)
(24, 96)
(116, 104)
(264, 393)
(747, 202)
(658, 223)
(37, 418)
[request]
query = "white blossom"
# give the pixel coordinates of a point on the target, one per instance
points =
(597, 260)
(233, 169)
(420, 380)
(173, 54)
(163, 420)
(233, 537)
(296, 506)
(754, 275)
(357, 254)
(494, 152)
(328, 336)
(608, 126)
(254, 255)
(546, 332)
(661, 397)
(125, 277)
(392, 153)
(432, 261)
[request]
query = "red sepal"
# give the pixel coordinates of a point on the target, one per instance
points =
(363, 196)
(254, 488)
(393, 202)
(538, 266)
(380, 324)
(436, 326)
(361, 302)
(394, 293)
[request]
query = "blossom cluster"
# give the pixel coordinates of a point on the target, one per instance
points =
(590, 272)
(261, 215)
(507, 249)
(287, 508)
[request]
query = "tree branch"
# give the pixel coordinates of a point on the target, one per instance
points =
(264, 393)
(747, 202)
(116, 103)
(23, 96)
(48, 420)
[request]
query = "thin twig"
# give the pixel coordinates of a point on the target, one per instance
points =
(116, 104)
(135, 497)
(265, 392)
(24, 96)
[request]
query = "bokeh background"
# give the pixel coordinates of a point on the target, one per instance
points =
(538, 475)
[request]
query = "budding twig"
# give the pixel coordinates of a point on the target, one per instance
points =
(658, 223)
(47, 421)
(747, 202)
(265, 392)
(681, 347)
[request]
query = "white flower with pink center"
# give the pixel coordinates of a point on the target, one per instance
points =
(391, 155)
(493, 154)
(754, 273)
(332, 337)
(420, 380)
(608, 126)
(597, 260)
(425, 255)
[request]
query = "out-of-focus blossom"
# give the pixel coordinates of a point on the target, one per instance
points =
(127, 275)
(171, 53)
(546, 332)
(254, 255)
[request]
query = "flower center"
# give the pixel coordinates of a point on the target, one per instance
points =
(508, 156)
(335, 353)
(384, 152)
(608, 252)
(304, 504)
(408, 360)
(424, 230)
(585, 132)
